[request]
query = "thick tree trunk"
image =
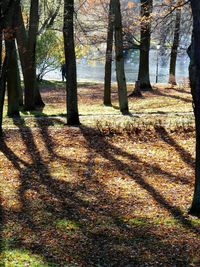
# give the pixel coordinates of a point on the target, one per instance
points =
(121, 79)
(9, 25)
(12, 79)
(108, 64)
(70, 59)
(194, 71)
(174, 49)
(26, 46)
(32, 40)
(145, 38)
(12, 65)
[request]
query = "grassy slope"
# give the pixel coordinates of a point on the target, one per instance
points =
(99, 195)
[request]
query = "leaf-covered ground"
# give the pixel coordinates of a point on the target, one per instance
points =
(96, 196)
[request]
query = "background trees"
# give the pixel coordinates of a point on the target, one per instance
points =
(144, 24)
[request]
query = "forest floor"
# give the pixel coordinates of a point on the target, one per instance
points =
(114, 191)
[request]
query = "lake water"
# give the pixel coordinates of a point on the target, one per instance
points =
(94, 70)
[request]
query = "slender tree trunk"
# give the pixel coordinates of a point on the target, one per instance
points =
(21, 37)
(174, 49)
(121, 79)
(1, 49)
(108, 64)
(70, 59)
(194, 71)
(2, 90)
(12, 79)
(145, 38)
(21, 96)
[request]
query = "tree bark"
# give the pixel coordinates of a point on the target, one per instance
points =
(145, 38)
(12, 64)
(121, 79)
(108, 64)
(19, 86)
(12, 79)
(32, 40)
(1, 49)
(2, 90)
(194, 71)
(174, 49)
(70, 59)
(27, 46)
(10, 61)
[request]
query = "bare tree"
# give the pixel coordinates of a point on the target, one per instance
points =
(145, 38)
(174, 49)
(109, 50)
(120, 73)
(70, 59)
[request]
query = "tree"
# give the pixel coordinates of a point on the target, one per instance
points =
(108, 64)
(49, 53)
(194, 71)
(9, 68)
(145, 38)
(174, 49)
(27, 51)
(70, 59)
(12, 78)
(121, 79)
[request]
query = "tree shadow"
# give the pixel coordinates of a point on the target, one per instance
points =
(159, 93)
(180, 91)
(185, 155)
(70, 205)
(100, 236)
(123, 167)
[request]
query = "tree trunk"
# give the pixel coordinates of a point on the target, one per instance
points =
(22, 38)
(70, 59)
(32, 40)
(21, 96)
(194, 71)
(145, 38)
(121, 80)
(2, 90)
(8, 27)
(1, 49)
(26, 46)
(174, 49)
(12, 79)
(108, 64)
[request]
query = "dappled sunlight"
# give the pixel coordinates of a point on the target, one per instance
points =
(22, 258)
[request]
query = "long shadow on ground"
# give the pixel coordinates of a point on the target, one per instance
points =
(65, 228)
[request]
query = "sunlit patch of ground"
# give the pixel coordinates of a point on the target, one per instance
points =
(164, 105)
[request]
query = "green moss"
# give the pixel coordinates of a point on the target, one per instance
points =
(67, 225)
(137, 221)
(21, 258)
